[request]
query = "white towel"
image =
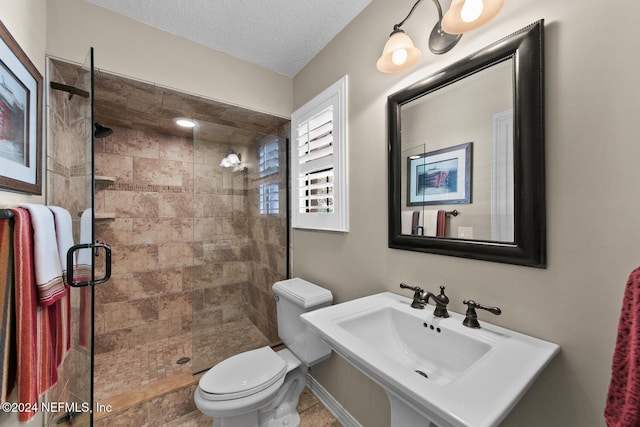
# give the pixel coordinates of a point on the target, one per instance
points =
(64, 234)
(48, 270)
(430, 220)
(64, 237)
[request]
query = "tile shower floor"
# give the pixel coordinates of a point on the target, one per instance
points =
(121, 370)
(125, 376)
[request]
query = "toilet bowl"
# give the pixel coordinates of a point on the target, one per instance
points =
(261, 388)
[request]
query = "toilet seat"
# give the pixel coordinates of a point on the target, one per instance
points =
(243, 375)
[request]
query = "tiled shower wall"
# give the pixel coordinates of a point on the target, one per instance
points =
(186, 235)
(148, 221)
(268, 244)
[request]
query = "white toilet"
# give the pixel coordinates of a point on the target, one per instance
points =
(261, 388)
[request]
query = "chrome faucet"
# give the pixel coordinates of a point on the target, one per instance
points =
(421, 298)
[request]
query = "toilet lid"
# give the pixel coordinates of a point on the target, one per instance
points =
(243, 374)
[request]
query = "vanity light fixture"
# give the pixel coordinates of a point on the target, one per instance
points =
(185, 123)
(400, 53)
(466, 15)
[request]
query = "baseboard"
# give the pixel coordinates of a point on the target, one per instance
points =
(344, 418)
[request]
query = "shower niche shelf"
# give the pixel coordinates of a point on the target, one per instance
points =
(104, 215)
(101, 215)
(105, 180)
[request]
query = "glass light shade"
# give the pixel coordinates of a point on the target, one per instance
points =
(233, 159)
(230, 161)
(399, 53)
(454, 23)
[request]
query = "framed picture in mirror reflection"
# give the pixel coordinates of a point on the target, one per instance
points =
(440, 177)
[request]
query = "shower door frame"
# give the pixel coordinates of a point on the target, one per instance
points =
(82, 407)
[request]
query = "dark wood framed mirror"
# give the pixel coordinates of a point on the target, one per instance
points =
(466, 156)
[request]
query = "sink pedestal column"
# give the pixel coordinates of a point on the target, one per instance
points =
(403, 415)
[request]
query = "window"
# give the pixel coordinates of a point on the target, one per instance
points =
(269, 198)
(318, 161)
(268, 161)
(269, 164)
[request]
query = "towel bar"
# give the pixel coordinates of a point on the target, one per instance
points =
(5, 214)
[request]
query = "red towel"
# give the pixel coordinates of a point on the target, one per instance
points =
(84, 317)
(46, 362)
(26, 304)
(37, 326)
(623, 401)
(415, 222)
(60, 325)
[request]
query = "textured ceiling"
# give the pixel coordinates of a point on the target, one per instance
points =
(281, 35)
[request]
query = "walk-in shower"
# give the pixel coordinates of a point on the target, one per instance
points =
(195, 246)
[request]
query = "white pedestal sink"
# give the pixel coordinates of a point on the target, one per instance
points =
(434, 370)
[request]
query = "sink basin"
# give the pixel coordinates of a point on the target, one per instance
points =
(417, 344)
(434, 370)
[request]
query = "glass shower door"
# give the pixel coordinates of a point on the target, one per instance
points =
(71, 185)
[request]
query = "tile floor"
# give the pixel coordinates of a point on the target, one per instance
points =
(137, 381)
(313, 413)
(121, 370)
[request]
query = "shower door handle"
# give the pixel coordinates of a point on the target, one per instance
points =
(70, 273)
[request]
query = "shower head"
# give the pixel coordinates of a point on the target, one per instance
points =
(101, 131)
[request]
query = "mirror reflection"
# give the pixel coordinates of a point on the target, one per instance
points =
(457, 159)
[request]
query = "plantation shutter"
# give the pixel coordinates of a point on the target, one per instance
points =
(315, 158)
(319, 161)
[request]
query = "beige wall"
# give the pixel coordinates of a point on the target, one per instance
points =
(25, 20)
(592, 204)
(130, 48)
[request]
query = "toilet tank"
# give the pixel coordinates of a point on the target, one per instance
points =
(293, 298)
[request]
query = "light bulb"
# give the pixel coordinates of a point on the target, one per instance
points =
(185, 123)
(471, 10)
(399, 56)
(233, 159)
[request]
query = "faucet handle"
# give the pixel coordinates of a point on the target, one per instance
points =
(471, 317)
(413, 288)
(417, 295)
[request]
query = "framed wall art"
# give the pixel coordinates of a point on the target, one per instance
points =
(440, 177)
(20, 119)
